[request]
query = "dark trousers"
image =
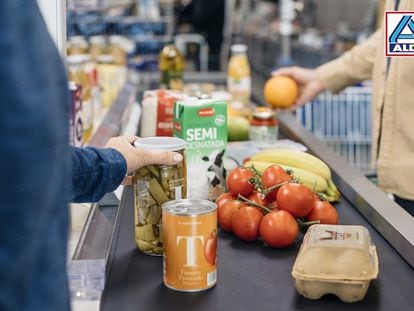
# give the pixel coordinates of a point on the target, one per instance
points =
(408, 205)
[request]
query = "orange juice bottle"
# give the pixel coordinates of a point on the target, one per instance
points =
(238, 77)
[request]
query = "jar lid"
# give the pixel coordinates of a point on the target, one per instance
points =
(78, 59)
(78, 40)
(105, 59)
(263, 113)
(161, 143)
(97, 40)
(239, 48)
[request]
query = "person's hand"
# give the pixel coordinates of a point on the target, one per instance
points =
(308, 82)
(137, 158)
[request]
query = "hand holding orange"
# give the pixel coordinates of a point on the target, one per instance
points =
(281, 91)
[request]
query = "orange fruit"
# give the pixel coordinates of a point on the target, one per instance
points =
(280, 91)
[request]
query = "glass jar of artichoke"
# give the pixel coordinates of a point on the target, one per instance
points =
(154, 185)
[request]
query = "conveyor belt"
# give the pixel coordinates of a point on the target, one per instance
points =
(250, 276)
(254, 277)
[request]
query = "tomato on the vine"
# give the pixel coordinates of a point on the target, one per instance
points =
(279, 229)
(224, 198)
(324, 212)
(272, 176)
(210, 248)
(238, 182)
(258, 198)
(246, 222)
(224, 213)
(296, 199)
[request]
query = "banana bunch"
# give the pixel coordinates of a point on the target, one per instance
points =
(309, 170)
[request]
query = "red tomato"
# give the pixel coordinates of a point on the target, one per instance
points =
(238, 182)
(296, 199)
(273, 176)
(225, 212)
(246, 222)
(210, 249)
(258, 198)
(279, 229)
(224, 198)
(324, 212)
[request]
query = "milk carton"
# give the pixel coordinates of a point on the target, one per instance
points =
(202, 123)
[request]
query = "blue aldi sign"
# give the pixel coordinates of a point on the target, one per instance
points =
(399, 33)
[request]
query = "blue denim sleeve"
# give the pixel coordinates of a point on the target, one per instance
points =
(95, 172)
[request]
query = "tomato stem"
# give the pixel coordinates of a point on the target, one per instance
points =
(243, 199)
(289, 171)
(321, 196)
(268, 190)
(307, 223)
(256, 180)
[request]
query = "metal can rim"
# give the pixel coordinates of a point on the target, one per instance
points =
(168, 207)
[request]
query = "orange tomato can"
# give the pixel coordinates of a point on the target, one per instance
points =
(190, 244)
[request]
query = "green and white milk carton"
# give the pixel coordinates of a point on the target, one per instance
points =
(202, 123)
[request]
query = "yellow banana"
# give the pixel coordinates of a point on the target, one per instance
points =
(312, 181)
(294, 158)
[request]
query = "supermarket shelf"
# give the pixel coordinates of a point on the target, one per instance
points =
(117, 116)
(97, 5)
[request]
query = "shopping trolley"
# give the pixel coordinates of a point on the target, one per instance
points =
(343, 121)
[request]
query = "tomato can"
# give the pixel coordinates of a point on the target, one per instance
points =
(190, 245)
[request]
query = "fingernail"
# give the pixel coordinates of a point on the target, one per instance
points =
(177, 157)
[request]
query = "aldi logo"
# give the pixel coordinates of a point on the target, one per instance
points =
(399, 33)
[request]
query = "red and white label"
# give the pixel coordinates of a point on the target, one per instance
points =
(206, 112)
(165, 113)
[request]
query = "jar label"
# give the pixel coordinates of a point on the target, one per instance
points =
(263, 133)
(165, 114)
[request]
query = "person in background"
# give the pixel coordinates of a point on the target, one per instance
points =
(39, 172)
(392, 103)
(207, 18)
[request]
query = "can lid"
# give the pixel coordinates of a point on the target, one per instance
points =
(263, 113)
(189, 207)
(161, 143)
(239, 48)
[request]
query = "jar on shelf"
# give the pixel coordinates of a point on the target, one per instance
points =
(98, 46)
(77, 45)
(80, 71)
(263, 125)
(171, 66)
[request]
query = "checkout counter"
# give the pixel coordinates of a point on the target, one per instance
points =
(250, 275)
